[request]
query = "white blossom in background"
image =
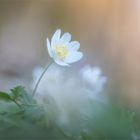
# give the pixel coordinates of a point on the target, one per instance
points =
(63, 50)
(71, 97)
(93, 80)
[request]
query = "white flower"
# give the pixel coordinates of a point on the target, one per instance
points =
(92, 76)
(63, 50)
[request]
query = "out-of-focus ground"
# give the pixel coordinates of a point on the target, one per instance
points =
(108, 30)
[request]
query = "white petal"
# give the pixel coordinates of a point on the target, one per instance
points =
(73, 57)
(55, 38)
(65, 38)
(49, 48)
(59, 62)
(74, 45)
(96, 71)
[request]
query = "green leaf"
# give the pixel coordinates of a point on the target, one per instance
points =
(16, 92)
(5, 97)
(20, 94)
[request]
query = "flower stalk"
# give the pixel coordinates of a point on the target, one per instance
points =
(37, 84)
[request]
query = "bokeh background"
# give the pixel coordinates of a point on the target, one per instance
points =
(108, 30)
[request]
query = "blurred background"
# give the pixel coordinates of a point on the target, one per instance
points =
(108, 30)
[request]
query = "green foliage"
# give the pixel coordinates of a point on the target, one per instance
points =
(19, 94)
(111, 123)
(5, 97)
(21, 117)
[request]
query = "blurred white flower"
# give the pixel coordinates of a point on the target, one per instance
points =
(92, 76)
(71, 99)
(63, 50)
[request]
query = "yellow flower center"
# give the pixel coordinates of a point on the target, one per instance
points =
(61, 51)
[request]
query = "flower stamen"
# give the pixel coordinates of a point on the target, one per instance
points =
(61, 51)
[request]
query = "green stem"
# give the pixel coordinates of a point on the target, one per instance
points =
(17, 103)
(37, 84)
